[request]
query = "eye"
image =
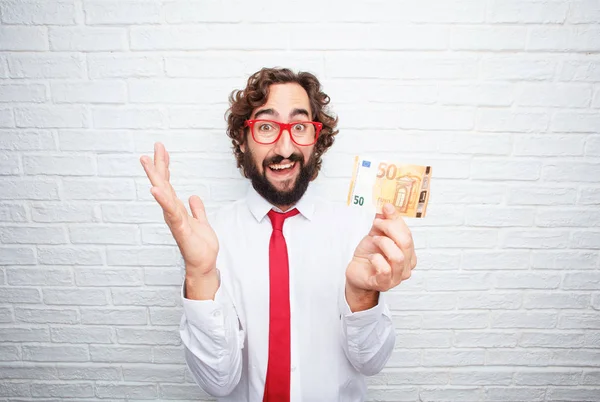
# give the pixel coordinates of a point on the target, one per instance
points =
(265, 127)
(299, 127)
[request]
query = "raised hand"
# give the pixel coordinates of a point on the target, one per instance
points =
(383, 258)
(195, 237)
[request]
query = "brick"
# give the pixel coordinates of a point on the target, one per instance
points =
(163, 277)
(179, 91)
(18, 38)
(526, 280)
(204, 117)
(359, 65)
(183, 141)
(17, 256)
(590, 378)
(596, 302)
(189, 11)
(142, 256)
(541, 195)
(580, 70)
(59, 255)
(409, 377)
(485, 169)
(576, 320)
(209, 37)
(7, 118)
(135, 118)
(353, 91)
(168, 355)
(487, 300)
(488, 38)
(99, 189)
(572, 394)
(51, 117)
(23, 334)
(104, 234)
(95, 372)
(589, 240)
(525, 12)
(567, 38)
(148, 336)
(90, 39)
(46, 315)
(26, 140)
(508, 67)
(554, 95)
(512, 357)
(490, 260)
(566, 217)
(108, 277)
(458, 239)
(550, 376)
(584, 12)
(79, 390)
(95, 140)
(504, 120)
(38, 12)
(596, 99)
(429, 339)
(397, 394)
(404, 358)
(488, 376)
(438, 260)
(119, 165)
(39, 277)
(575, 122)
(546, 145)
(478, 95)
(556, 301)
(577, 358)
(519, 319)
(63, 212)
(10, 295)
(452, 281)
(120, 354)
(14, 389)
(163, 373)
(458, 320)
(592, 146)
(75, 297)
(502, 394)
(107, 390)
(81, 335)
(499, 217)
(114, 316)
(98, 91)
(123, 65)
(9, 164)
(166, 297)
(581, 281)
(62, 353)
(9, 353)
(551, 340)
(564, 259)
(122, 12)
(562, 171)
(453, 358)
(42, 65)
(59, 165)
(181, 391)
(534, 238)
(13, 371)
(6, 315)
(165, 316)
(22, 93)
(484, 339)
(484, 193)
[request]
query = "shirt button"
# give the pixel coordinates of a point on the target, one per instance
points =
(216, 314)
(293, 368)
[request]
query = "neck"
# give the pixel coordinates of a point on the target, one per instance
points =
(284, 208)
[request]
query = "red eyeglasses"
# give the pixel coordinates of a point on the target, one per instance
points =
(269, 131)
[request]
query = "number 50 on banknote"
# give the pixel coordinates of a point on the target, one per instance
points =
(376, 182)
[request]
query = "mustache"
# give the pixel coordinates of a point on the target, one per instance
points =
(276, 159)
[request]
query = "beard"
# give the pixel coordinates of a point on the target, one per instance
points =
(264, 187)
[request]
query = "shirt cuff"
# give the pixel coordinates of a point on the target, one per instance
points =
(210, 314)
(366, 316)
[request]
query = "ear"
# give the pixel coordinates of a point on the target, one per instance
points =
(243, 148)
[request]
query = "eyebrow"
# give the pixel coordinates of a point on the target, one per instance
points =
(272, 112)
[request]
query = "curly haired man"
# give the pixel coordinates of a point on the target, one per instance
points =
(283, 293)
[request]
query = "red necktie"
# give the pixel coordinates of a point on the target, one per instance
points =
(277, 386)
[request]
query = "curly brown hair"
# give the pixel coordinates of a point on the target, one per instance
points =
(256, 93)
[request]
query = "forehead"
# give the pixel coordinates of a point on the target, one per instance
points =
(285, 97)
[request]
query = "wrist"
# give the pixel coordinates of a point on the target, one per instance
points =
(360, 299)
(202, 286)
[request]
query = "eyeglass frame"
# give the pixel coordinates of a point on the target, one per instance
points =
(284, 126)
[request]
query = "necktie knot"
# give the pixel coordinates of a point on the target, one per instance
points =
(277, 218)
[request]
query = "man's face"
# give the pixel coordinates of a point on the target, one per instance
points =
(281, 171)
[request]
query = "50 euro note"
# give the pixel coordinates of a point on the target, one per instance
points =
(376, 182)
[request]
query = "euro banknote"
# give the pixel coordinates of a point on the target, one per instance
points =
(377, 182)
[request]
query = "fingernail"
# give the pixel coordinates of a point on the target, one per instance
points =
(388, 208)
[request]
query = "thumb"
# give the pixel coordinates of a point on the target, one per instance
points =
(389, 211)
(197, 208)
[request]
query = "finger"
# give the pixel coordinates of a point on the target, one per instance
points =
(159, 159)
(383, 272)
(167, 163)
(397, 231)
(151, 172)
(197, 208)
(394, 256)
(389, 211)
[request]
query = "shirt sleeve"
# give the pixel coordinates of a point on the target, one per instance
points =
(213, 342)
(368, 336)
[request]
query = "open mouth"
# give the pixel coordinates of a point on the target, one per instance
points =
(281, 167)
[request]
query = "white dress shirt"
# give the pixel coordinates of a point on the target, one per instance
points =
(227, 339)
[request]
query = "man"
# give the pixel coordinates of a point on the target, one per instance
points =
(282, 293)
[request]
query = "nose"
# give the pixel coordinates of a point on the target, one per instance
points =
(284, 145)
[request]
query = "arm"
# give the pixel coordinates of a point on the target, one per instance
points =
(368, 336)
(212, 338)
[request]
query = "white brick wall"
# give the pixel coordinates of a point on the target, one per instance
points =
(502, 97)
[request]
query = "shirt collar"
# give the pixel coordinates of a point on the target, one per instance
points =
(260, 207)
